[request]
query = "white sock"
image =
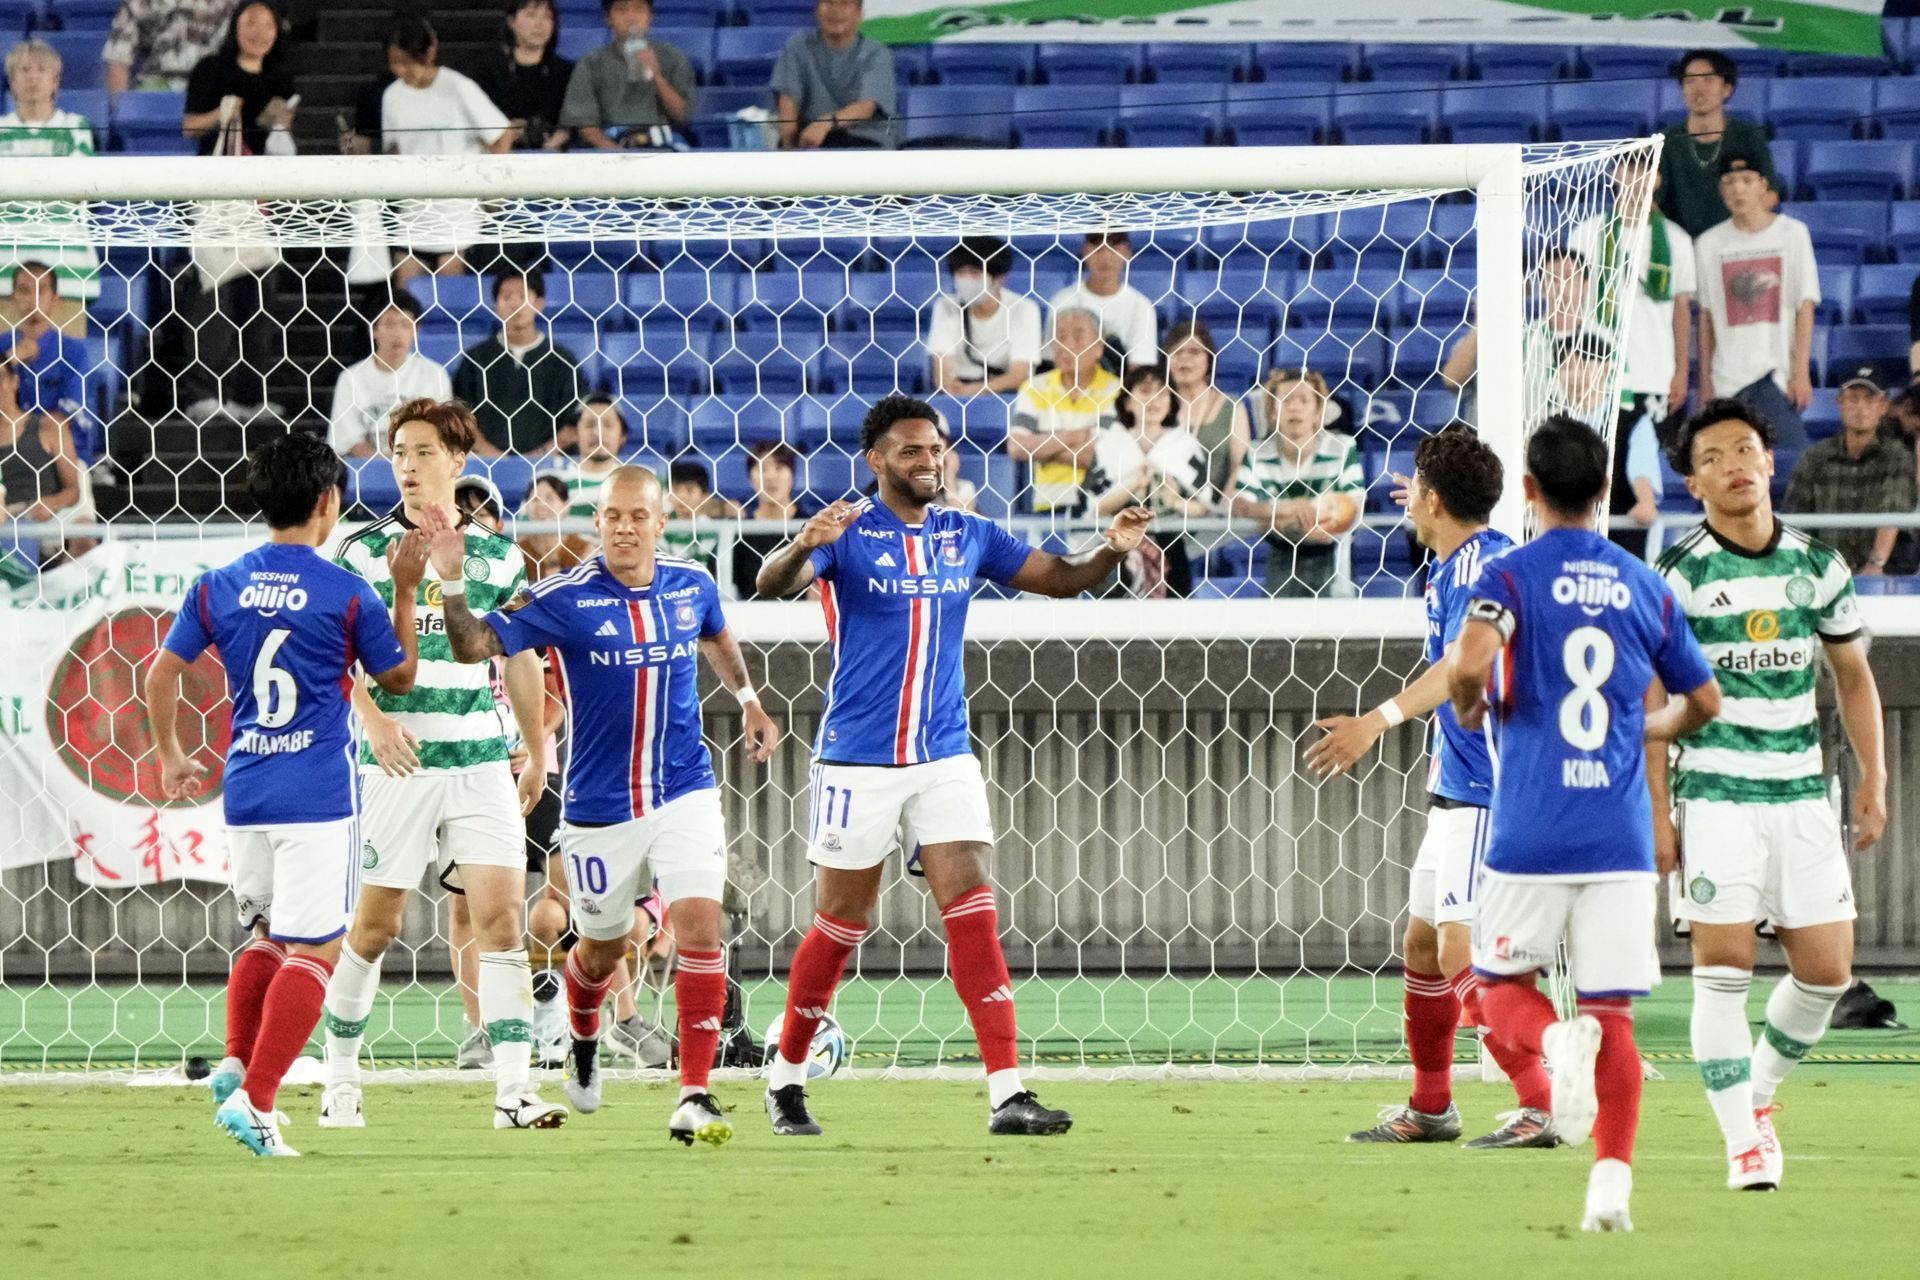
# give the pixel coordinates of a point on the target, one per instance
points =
(1797, 1016)
(350, 993)
(783, 1073)
(506, 1008)
(1722, 1049)
(1002, 1085)
(232, 1066)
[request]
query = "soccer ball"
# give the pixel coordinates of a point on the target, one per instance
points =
(825, 1055)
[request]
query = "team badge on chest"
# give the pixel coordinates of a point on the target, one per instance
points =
(685, 617)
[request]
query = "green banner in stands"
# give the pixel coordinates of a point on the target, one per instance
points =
(1835, 26)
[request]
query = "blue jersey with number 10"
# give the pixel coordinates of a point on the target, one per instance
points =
(289, 625)
(1460, 769)
(1587, 627)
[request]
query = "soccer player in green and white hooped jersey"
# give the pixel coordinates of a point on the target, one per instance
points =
(1749, 826)
(439, 794)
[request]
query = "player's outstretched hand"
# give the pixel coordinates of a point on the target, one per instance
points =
(1869, 817)
(827, 524)
(1348, 738)
(1401, 486)
(180, 776)
(762, 733)
(1129, 526)
(448, 545)
(407, 562)
(393, 746)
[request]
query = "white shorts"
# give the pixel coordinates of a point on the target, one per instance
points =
(1441, 889)
(681, 846)
(1520, 921)
(860, 814)
(301, 878)
(1744, 863)
(439, 822)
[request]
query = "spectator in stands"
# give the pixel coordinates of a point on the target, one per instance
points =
(1699, 147)
(1643, 480)
(1758, 291)
(549, 551)
(1145, 456)
(431, 110)
(1126, 316)
(1560, 309)
(38, 127)
(982, 336)
(164, 39)
(1303, 485)
(633, 92)
(48, 367)
(246, 78)
(834, 87)
(691, 500)
(523, 386)
(1216, 420)
(396, 372)
(1581, 368)
(600, 436)
(1913, 330)
(39, 471)
(1858, 471)
(771, 466)
(1057, 412)
(525, 78)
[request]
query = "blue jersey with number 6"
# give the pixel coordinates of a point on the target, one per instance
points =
(289, 625)
(1587, 627)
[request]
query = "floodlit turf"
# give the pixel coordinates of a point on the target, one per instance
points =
(1160, 1180)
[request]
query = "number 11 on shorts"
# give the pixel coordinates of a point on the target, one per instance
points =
(845, 796)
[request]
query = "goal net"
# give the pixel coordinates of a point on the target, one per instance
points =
(1177, 890)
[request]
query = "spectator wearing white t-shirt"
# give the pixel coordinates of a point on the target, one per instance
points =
(1759, 287)
(982, 336)
(1126, 315)
(431, 110)
(395, 373)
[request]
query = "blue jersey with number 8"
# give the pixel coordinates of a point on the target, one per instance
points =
(1587, 627)
(289, 625)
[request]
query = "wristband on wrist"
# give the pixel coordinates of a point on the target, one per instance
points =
(745, 693)
(1391, 713)
(452, 588)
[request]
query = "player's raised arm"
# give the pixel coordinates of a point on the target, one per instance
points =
(1350, 737)
(1047, 574)
(468, 635)
(788, 571)
(407, 561)
(723, 656)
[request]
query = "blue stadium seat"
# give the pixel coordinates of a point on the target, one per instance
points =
(656, 427)
(1787, 166)
(1883, 293)
(1758, 65)
(1538, 62)
(1859, 170)
(1325, 296)
(1588, 109)
(979, 421)
(643, 369)
(1903, 231)
(371, 484)
(1090, 64)
(1822, 417)
(1820, 109)
(856, 365)
(1483, 112)
(1066, 116)
(1272, 114)
(1435, 406)
(777, 13)
(1874, 585)
(1840, 64)
(1884, 346)
(589, 294)
(576, 41)
(1422, 64)
(677, 13)
(511, 474)
(717, 424)
(1356, 361)
(80, 65)
(828, 474)
(1414, 357)
(1171, 115)
(1836, 294)
(1622, 64)
(999, 66)
(954, 117)
(745, 55)
(1896, 106)
(95, 106)
(1436, 299)
(457, 296)
(1844, 231)
(1903, 38)
(1370, 117)
(696, 41)
(1204, 61)
(143, 117)
(1303, 63)
(793, 293)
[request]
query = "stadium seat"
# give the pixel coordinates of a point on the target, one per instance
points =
(1874, 585)
(966, 62)
(718, 423)
(1622, 64)
(1829, 65)
(1354, 361)
(655, 427)
(1202, 61)
(1582, 110)
(589, 294)
(1903, 231)
(1836, 294)
(791, 14)
(696, 41)
(1787, 167)
(1069, 116)
(643, 366)
(1421, 64)
(455, 296)
(1415, 357)
(1883, 346)
(790, 292)
(677, 13)
(1896, 106)
(1325, 296)
(1859, 170)
(1538, 62)
(145, 119)
(1439, 300)
(1482, 112)
(1883, 293)
(1272, 114)
(979, 421)
(1089, 64)
(853, 364)
(1757, 65)
(962, 117)
(1822, 417)
(511, 474)
(1171, 115)
(1844, 231)
(371, 484)
(1305, 63)
(1370, 117)
(1822, 109)
(80, 65)
(745, 55)
(828, 474)
(1903, 39)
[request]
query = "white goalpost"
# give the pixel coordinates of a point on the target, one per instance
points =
(1179, 895)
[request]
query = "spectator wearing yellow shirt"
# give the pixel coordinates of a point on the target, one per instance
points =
(1057, 413)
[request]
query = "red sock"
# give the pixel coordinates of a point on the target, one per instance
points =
(253, 970)
(700, 991)
(1432, 1014)
(1527, 1072)
(817, 965)
(291, 1012)
(1517, 1014)
(1616, 1079)
(979, 969)
(584, 998)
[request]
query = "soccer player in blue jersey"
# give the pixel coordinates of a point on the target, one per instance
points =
(640, 803)
(290, 628)
(1456, 480)
(1563, 642)
(893, 768)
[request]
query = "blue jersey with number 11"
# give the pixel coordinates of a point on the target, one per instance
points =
(1587, 627)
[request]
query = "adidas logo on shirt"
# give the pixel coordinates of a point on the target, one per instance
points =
(885, 560)
(607, 629)
(1721, 602)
